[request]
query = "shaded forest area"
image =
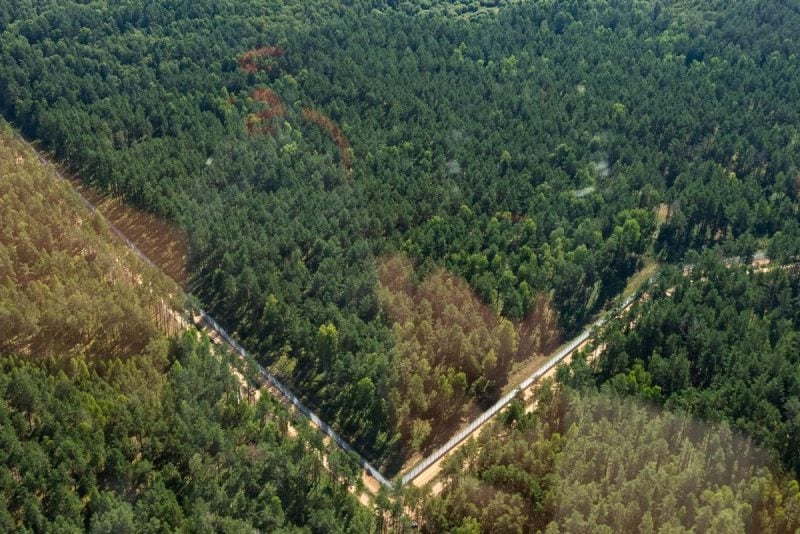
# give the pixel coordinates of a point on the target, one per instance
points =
(524, 151)
(65, 287)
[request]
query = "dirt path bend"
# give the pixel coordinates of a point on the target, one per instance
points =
(431, 474)
(427, 470)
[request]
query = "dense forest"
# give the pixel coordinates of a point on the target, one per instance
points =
(108, 425)
(535, 150)
(104, 431)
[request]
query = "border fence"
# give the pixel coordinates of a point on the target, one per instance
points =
(273, 380)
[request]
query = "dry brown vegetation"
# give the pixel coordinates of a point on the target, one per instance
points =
(330, 127)
(266, 120)
(252, 61)
(452, 352)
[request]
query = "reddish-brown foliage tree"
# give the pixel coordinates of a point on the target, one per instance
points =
(336, 134)
(450, 348)
(251, 62)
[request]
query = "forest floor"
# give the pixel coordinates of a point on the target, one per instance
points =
(523, 370)
(662, 213)
(639, 278)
